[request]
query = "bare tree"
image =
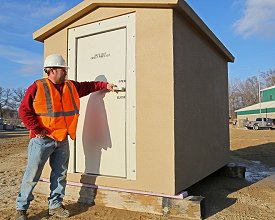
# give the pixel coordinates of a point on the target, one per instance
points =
(242, 93)
(10, 100)
(250, 91)
(234, 97)
(269, 78)
(17, 97)
(3, 100)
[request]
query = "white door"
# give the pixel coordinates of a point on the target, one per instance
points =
(103, 51)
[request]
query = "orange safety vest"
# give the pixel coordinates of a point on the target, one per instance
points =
(57, 113)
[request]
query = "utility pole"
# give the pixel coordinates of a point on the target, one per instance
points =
(259, 93)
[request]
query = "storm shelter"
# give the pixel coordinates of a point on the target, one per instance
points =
(167, 126)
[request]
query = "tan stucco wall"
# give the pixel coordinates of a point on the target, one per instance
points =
(201, 105)
(154, 101)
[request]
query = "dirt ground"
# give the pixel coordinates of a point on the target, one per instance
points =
(226, 198)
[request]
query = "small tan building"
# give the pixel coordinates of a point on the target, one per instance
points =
(168, 126)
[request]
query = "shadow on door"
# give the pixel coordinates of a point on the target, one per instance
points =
(95, 138)
(96, 134)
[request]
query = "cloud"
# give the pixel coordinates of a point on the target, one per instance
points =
(44, 10)
(32, 8)
(30, 70)
(27, 16)
(18, 20)
(237, 3)
(30, 63)
(258, 19)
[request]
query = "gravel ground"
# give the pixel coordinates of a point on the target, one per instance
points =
(226, 198)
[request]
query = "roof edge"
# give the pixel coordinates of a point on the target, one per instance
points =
(89, 5)
(61, 21)
(268, 88)
(262, 105)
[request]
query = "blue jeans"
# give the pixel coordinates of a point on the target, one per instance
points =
(39, 150)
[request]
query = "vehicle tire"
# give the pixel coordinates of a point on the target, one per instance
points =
(256, 127)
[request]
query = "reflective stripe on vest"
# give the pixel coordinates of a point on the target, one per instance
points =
(57, 112)
(49, 104)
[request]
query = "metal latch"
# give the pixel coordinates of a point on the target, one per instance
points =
(119, 89)
(120, 86)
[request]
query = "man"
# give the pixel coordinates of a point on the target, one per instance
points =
(50, 110)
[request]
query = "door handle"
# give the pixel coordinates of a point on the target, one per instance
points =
(119, 89)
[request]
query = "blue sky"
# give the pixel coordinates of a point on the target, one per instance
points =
(245, 27)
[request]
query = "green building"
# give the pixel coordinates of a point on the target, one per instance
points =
(266, 108)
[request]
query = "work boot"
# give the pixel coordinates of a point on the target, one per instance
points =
(21, 215)
(60, 212)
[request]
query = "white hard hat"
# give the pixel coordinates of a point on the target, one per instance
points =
(54, 60)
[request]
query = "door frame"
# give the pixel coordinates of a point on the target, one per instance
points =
(124, 21)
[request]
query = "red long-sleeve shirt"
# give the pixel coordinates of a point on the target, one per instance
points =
(26, 110)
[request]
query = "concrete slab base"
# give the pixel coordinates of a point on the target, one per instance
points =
(180, 206)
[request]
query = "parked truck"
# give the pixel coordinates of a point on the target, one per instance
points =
(261, 123)
(5, 126)
(1, 124)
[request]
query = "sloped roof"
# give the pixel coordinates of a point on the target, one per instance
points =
(263, 105)
(89, 5)
(271, 87)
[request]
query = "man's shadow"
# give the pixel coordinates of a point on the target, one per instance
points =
(95, 132)
(95, 139)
